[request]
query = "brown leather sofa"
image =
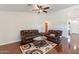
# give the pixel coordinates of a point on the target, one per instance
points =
(56, 32)
(28, 35)
(56, 38)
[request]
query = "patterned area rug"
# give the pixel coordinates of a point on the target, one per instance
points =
(32, 49)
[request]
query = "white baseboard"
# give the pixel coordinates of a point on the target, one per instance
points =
(9, 42)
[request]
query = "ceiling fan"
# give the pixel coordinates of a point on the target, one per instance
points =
(41, 8)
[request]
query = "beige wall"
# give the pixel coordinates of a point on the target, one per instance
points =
(12, 22)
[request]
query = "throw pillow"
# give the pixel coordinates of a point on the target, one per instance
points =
(52, 35)
(39, 38)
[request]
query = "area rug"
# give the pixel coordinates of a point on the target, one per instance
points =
(32, 49)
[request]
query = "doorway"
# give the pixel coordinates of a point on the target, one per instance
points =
(74, 33)
(74, 29)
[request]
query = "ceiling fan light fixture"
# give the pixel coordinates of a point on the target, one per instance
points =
(41, 8)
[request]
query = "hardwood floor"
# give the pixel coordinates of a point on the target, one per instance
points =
(10, 48)
(63, 48)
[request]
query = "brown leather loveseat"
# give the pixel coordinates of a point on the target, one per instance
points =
(56, 37)
(28, 35)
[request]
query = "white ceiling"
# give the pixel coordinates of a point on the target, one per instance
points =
(29, 7)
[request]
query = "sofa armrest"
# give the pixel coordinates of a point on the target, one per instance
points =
(56, 32)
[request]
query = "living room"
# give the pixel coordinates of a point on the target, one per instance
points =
(15, 18)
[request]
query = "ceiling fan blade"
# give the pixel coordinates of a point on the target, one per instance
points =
(29, 4)
(45, 11)
(38, 12)
(39, 6)
(46, 8)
